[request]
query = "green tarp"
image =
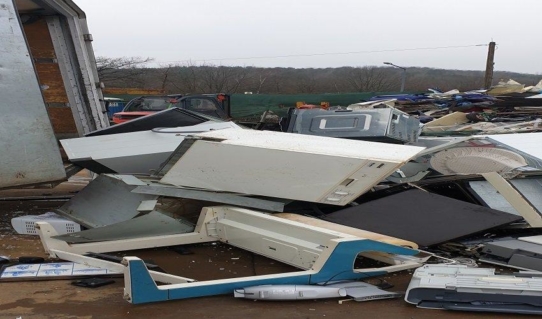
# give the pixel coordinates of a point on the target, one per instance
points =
(250, 105)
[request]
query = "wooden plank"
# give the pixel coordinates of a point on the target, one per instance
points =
(39, 39)
(50, 79)
(62, 120)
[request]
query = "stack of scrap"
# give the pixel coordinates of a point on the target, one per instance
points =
(508, 107)
(343, 187)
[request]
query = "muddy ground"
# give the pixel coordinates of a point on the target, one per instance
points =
(60, 299)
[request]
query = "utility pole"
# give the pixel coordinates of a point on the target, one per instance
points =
(403, 75)
(489, 65)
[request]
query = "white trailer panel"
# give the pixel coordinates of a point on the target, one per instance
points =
(29, 151)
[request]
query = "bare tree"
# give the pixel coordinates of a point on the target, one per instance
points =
(207, 78)
(261, 76)
(306, 83)
(222, 78)
(185, 78)
(117, 69)
(369, 79)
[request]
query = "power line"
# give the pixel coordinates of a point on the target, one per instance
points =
(329, 53)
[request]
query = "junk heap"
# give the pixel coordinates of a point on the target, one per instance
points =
(446, 183)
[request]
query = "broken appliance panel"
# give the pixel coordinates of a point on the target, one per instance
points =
(515, 253)
(283, 165)
(132, 153)
(380, 125)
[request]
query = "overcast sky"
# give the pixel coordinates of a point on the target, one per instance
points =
(176, 31)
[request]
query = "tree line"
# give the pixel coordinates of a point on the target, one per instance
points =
(210, 78)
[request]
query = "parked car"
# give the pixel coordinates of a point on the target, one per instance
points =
(216, 105)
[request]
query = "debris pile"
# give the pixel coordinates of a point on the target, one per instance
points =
(340, 194)
(508, 107)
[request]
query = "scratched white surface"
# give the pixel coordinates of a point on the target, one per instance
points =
(293, 166)
(316, 145)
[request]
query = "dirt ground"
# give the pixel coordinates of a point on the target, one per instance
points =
(60, 299)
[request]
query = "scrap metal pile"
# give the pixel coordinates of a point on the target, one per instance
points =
(505, 108)
(342, 195)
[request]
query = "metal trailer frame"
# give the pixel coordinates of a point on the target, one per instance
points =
(84, 85)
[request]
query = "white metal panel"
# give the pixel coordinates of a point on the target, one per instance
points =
(29, 151)
(136, 152)
(282, 165)
(316, 145)
(528, 143)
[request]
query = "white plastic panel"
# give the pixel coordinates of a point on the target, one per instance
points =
(287, 241)
(29, 151)
(282, 165)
